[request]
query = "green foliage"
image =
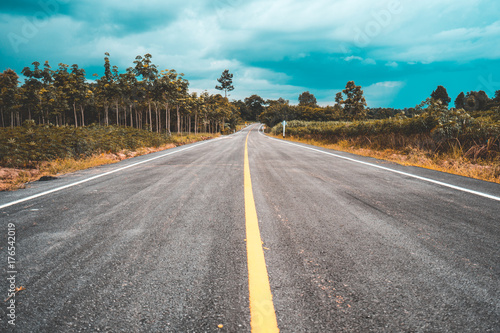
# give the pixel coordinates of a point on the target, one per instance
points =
(440, 94)
(226, 82)
(254, 107)
(307, 99)
(436, 129)
(30, 144)
(354, 103)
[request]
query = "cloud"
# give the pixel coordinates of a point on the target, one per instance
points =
(274, 48)
(381, 94)
(364, 61)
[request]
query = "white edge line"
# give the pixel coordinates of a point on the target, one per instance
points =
(12, 203)
(458, 188)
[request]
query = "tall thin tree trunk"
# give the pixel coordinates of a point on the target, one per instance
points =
(150, 119)
(167, 119)
(178, 121)
(83, 116)
(117, 113)
(131, 117)
(106, 115)
(74, 112)
(158, 124)
(196, 123)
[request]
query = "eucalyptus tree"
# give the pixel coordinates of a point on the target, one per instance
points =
(166, 86)
(205, 109)
(31, 90)
(47, 93)
(180, 93)
(149, 74)
(127, 83)
(105, 90)
(9, 95)
(173, 88)
(116, 93)
(62, 90)
(197, 103)
(220, 110)
(79, 92)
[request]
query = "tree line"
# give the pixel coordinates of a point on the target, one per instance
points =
(350, 105)
(146, 98)
(143, 97)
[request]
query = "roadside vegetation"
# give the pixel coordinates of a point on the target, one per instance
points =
(59, 117)
(31, 151)
(431, 135)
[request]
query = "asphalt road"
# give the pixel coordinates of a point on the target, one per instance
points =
(159, 245)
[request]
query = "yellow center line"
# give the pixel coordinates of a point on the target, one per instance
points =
(262, 315)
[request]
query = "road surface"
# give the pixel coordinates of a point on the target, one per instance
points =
(158, 243)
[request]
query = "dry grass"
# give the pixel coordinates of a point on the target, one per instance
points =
(454, 163)
(13, 179)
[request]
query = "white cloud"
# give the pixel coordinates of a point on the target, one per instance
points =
(201, 39)
(381, 94)
(364, 61)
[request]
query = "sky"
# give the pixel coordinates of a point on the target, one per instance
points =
(399, 51)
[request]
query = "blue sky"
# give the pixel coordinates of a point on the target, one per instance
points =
(399, 51)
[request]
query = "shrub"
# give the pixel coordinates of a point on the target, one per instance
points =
(29, 145)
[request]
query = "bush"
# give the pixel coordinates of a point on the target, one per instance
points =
(437, 129)
(29, 145)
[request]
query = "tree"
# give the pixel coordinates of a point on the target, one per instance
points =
(338, 98)
(255, 106)
(31, 90)
(8, 95)
(149, 74)
(277, 111)
(47, 93)
(78, 91)
(460, 101)
(127, 83)
(62, 92)
(440, 94)
(476, 101)
(354, 103)
(107, 88)
(226, 82)
(50, 96)
(307, 99)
